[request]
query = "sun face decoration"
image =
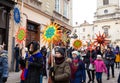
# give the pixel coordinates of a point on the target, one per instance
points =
(51, 33)
(101, 39)
(77, 44)
(64, 37)
(21, 35)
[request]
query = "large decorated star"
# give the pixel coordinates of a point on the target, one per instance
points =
(101, 39)
(51, 33)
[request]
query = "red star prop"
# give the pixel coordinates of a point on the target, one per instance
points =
(101, 39)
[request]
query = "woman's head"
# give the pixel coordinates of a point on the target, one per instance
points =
(33, 46)
(59, 52)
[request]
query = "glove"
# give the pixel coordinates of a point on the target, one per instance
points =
(52, 69)
(4, 79)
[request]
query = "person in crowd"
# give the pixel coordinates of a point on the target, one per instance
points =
(89, 59)
(22, 66)
(60, 71)
(109, 61)
(98, 51)
(3, 64)
(117, 59)
(77, 69)
(117, 56)
(69, 52)
(17, 55)
(33, 64)
(119, 78)
(83, 54)
(99, 68)
(44, 53)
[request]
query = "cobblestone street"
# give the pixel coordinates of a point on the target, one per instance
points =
(14, 77)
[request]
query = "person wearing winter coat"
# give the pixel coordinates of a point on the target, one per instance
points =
(89, 59)
(117, 59)
(99, 68)
(44, 53)
(60, 72)
(109, 61)
(77, 69)
(3, 65)
(33, 64)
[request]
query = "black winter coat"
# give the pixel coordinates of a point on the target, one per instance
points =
(35, 69)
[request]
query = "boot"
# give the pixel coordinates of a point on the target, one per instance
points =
(89, 80)
(98, 81)
(107, 78)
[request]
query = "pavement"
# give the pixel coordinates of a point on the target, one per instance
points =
(14, 77)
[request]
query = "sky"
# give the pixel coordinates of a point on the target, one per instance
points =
(83, 10)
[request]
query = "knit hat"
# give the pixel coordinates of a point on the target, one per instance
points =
(75, 52)
(99, 56)
(60, 50)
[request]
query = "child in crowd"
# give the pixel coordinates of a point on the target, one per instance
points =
(77, 69)
(99, 68)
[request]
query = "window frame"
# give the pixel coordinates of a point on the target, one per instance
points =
(57, 6)
(105, 2)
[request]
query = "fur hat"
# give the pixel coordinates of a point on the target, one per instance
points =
(60, 50)
(36, 46)
(75, 52)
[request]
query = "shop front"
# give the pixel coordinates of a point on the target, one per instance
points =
(5, 7)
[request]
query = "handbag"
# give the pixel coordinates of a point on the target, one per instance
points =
(91, 67)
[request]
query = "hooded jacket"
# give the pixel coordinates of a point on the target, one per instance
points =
(100, 66)
(3, 64)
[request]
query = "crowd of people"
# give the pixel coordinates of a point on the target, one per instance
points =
(65, 64)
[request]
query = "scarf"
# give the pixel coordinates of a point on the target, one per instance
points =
(74, 67)
(59, 60)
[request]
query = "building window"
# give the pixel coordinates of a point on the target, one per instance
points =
(57, 5)
(65, 12)
(83, 29)
(106, 31)
(106, 28)
(32, 27)
(105, 2)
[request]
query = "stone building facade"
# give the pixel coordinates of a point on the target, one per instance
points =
(34, 16)
(106, 20)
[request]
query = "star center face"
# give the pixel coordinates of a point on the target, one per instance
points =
(50, 32)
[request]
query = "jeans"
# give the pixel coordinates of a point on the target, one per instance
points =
(108, 69)
(41, 78)
(99, 77)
